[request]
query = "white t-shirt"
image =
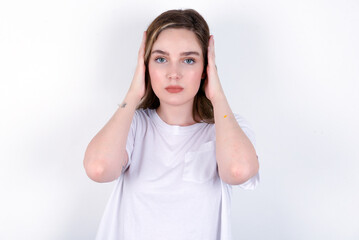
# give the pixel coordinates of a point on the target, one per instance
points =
(170, 188)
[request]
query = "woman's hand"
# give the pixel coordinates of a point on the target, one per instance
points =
(212, 85)
(138, 82)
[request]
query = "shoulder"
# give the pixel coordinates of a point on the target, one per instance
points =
(143, 117)
(143, 114)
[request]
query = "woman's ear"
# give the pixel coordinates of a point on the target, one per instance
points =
(203, 79)
(204, 75)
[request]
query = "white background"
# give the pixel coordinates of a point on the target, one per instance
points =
(289, 67)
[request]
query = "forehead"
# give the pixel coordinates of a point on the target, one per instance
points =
(177, 40)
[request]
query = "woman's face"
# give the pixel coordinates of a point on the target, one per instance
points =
(176, 60)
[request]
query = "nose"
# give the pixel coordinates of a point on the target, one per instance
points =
(174, 71)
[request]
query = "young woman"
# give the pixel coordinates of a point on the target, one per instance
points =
(174, 146)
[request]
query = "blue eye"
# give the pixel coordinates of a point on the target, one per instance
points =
(190, 60)
(159, 61)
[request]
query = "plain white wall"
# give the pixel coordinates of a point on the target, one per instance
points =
(289, 67)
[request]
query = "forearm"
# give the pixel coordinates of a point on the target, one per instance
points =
(106, 153)
(236, 156)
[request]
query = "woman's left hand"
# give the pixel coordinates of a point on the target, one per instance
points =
(212, 85)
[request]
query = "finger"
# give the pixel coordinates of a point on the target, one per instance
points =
(211, 54)
(141, 52)
(212, 46)
(144, 38)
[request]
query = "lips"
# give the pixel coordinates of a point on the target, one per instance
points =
(174, 87)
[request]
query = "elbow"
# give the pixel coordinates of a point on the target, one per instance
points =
(96, 171)
(93, 169)
(96, 166)
(102, 168)
(244, 173)
(95, 174)
(99, 173)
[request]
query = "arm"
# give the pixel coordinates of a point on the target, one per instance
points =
(236, 157)
(106, 155)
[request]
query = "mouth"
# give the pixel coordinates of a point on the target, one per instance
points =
(174, 89)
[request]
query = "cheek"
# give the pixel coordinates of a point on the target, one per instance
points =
(155, 76)
(196, 74)
(154, 72)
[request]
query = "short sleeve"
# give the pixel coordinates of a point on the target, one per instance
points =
(131, 139)
(251, 183)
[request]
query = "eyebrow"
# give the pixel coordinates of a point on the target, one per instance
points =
(182, 54)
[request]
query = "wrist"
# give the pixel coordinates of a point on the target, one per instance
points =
(131, 100)
(219, 97)
(133, 97)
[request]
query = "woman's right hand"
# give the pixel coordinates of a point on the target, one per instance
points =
(138, 82)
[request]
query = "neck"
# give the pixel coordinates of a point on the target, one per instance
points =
(176, 115)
